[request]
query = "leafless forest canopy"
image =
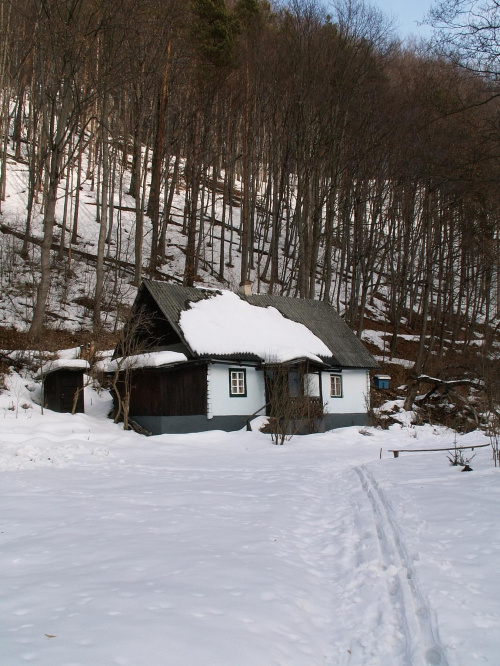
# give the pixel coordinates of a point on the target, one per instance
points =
(313, 151)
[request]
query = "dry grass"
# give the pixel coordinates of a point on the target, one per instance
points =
(53, 340)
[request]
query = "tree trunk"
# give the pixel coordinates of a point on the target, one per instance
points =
(96, 319)
(57, 151)
(156, 167)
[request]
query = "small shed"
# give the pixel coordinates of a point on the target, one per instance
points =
(381, 381)
(62, 381)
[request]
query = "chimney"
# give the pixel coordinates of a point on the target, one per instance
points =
(245, 288)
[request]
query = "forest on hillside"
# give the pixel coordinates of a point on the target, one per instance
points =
(307, 148)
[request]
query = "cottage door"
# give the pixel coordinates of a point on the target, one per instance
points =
(69, 386)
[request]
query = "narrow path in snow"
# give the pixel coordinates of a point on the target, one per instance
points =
(411, 613)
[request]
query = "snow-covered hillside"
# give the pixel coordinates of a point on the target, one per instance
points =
(74, 283)
(72, 291)
(221, 548)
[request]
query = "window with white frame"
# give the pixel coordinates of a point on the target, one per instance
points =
(237, 383)
(335, 386)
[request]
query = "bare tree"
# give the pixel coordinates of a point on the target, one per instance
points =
(137, 337)
(467, 33)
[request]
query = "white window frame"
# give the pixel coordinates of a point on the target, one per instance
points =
(336, 386)
(237, 382)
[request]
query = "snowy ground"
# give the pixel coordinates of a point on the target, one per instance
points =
(223, 549)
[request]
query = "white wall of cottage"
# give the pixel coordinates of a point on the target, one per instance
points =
(355, 391)
(219, 400)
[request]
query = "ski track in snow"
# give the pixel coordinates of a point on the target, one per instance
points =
(412, 616)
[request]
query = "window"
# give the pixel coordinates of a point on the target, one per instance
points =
(335, 386)
(312, 385)
(293, 384)
(237, 383)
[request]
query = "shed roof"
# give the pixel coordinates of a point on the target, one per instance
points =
(319, 317)
(61, 365)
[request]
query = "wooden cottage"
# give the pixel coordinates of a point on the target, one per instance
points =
(205, 359)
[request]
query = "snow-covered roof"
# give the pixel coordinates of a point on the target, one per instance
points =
(226, 324)
(63, 364)
(262, 328)
(148, 360)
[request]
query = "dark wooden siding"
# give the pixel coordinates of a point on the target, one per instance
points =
(181, 391)
(145, 393)
(59, 388)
